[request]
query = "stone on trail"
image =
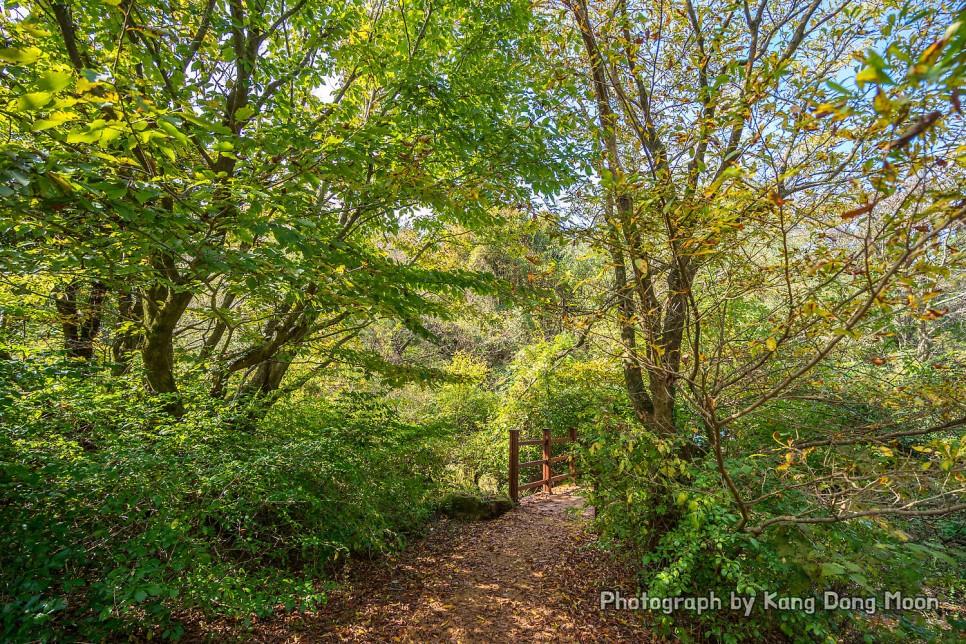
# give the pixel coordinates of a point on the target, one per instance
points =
(470, 507)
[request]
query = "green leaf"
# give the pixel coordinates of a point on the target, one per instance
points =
(53, 120)
(217, 128)
(606, 178)
(872, 74)
(244, 113)
(109, 134)
(54, 81)
(168, 128)
(830, 569)
(23, 56)
(83, 136)
(33, 101)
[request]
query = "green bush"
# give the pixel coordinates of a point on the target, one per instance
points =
(116, 515)
(681, 524)
(549, 385)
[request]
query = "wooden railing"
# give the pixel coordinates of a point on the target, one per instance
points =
(546, 463)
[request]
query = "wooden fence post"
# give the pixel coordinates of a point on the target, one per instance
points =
(547, 486)
(514, 464)
(573, 462)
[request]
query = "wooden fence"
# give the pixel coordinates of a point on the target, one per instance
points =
(548, 479)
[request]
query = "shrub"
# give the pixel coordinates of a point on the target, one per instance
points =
(681, 524)
(116, 516)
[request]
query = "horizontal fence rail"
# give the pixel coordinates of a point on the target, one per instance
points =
(548, 479)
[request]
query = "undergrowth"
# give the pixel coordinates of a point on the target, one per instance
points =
(115, 515)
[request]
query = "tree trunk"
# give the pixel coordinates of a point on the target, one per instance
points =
(161, 316)
(125, 340)
(4, 352)
(80, 328)
(633, 375)
(259, 392)
(672, 336)
(624, 290)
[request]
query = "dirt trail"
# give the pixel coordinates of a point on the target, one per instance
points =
(523, 577)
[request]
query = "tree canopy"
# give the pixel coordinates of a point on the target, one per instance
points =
(276, 276)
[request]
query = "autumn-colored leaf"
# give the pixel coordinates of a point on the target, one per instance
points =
(931, 53)
(933, 314)
(857, 212)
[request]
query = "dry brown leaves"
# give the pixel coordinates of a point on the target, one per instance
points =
(531, 575)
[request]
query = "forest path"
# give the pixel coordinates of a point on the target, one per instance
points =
(524, 577)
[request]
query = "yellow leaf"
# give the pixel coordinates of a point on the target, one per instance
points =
(881, 103)
(62, 183)
(931, 54)
(867, 75)
(83, 85)
(23, 56)
(53, 120)
(789, 459)
(824, 109)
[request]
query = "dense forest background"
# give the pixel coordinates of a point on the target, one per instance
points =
(277, 275)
